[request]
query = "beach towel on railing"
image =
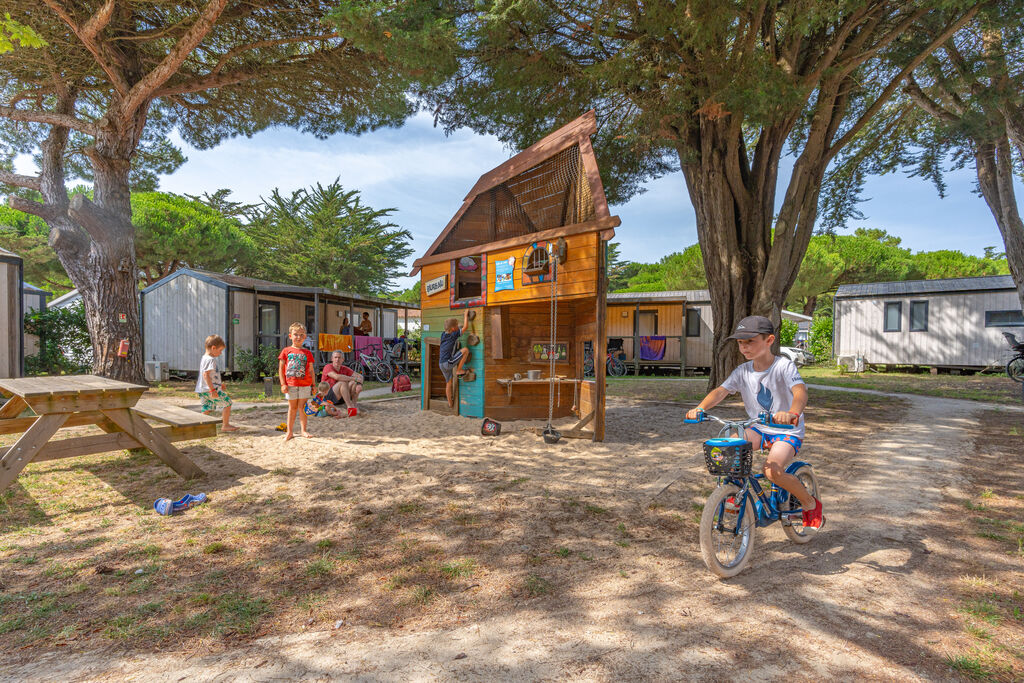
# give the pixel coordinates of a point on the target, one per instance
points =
(652, 348)
(335, 342)
(368, 345)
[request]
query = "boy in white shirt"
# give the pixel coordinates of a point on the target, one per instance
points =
(209, 385)
(771, 384)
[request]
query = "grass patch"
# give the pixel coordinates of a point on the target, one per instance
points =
(969, 666)
(214, 548)
(324, 544)
(421, 595)
(536, 585)
(511, 484)
(240, 612)
(594, 509)
(457, 570)
(563, 552)
(319, 567)
(983, 610)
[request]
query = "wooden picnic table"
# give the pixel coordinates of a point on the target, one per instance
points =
(113, 406)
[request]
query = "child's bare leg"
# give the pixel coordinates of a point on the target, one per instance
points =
(462, 361)
(226, 425)
(779, 456)
(304, 422)
(292, 409)
(448, 391)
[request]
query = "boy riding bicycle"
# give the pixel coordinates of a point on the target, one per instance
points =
(772, 384)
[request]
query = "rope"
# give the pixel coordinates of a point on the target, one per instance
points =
(552, 351)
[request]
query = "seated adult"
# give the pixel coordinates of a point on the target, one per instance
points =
(346, 384)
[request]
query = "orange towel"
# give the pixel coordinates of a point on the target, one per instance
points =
(335, 342)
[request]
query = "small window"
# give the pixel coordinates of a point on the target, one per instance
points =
(1004, 318)
(469, 277)
(692, 322)
(918, 316)
(893, 316)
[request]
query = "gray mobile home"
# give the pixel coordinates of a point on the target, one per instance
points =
(12, 319)
(182, 309)
(954, 323)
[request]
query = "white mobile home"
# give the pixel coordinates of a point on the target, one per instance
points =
(72, 298)
(954, 323)
(12, 318)
(681, 317)
(182, 309)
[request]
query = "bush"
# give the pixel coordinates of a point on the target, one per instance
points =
(64, 346)
(820, 343)
(255, 365)
(787, 332)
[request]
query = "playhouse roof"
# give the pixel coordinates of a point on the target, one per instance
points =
(551, 184)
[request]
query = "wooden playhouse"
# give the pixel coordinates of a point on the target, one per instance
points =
(530, 236)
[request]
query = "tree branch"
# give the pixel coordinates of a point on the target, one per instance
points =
(235, 51)
(895, 82)
(65, 120)
(97, 22)
(206, 83)
(89, 41)
(922, 100)
(144, 89)
(17, 180)
(44, 211)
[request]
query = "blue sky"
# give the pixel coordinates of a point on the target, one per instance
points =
(425, 176)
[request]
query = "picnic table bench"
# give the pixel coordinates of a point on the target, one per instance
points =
(113, 406)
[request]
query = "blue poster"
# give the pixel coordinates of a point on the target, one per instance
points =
(503, 274)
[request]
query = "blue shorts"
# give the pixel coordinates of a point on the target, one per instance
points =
(770, 439)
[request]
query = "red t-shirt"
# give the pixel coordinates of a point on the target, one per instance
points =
(298, 367)
(330, 368)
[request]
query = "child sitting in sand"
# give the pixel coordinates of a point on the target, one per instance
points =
(295, 367)
(320, 405)
(209, 385)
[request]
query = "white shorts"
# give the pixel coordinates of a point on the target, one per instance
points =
(296, 393)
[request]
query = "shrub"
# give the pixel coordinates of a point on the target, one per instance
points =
(820, 343)
(64, 346)
(787, 332)
(256, 365)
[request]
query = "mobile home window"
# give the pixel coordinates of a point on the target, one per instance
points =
(893, 314)
(918, 316)
(692, 322)
(1004, 318)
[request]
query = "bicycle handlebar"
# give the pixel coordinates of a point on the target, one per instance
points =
(764, 418)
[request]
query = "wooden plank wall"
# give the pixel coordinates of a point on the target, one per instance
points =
(670, 324)
(576, 277)
(10, 312)
(177, 318)
(956, 334)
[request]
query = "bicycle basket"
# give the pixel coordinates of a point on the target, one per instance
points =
(730, 457)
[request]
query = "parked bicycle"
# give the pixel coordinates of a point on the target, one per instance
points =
(1015, 366)
(371, 365)
(613, 365)
(740, 504)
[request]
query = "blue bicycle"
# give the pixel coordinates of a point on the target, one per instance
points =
(740, 504)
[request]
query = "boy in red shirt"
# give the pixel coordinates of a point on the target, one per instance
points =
(295, 367)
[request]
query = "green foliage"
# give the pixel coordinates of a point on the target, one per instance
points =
(13, 32)
(679, 270)
(326, 237)
(255, 366)
(173, 232)
(820, 342)
(787, 332)
(26, 236)
(619, 272)
(64, 346)
(411, 295)
(932, 265)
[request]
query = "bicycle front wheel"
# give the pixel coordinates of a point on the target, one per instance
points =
(1015, 369)
(616, 368)
(797, 533)
(726, 550)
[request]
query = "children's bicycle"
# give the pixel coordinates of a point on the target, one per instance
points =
(739, 505)
(1015, 366)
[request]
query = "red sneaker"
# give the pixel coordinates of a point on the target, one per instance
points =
(814, 518)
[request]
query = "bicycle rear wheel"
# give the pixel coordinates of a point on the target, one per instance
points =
(1015, 369)
(725, 552)
(797, 533)
(616, 368)
(383, 373)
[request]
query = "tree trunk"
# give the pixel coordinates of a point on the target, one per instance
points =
(995, 177)
(810, 305)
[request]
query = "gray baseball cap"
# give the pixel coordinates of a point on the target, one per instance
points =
(751, 326)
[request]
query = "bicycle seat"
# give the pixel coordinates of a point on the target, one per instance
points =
(1011, 339)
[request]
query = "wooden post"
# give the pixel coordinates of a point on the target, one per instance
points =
(636, 341)
(136, 427)
(25, 448)
(600, 342)
(682, 344)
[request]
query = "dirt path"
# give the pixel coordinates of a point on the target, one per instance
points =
(859, 601)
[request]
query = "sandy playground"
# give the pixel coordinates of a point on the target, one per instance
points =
(403, 545)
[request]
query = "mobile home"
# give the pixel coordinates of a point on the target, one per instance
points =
(12, 318)
(182, 309)
(669, 328)
(952, 323)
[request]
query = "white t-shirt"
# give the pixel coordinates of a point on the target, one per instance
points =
(770, 390)
(207, 363)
